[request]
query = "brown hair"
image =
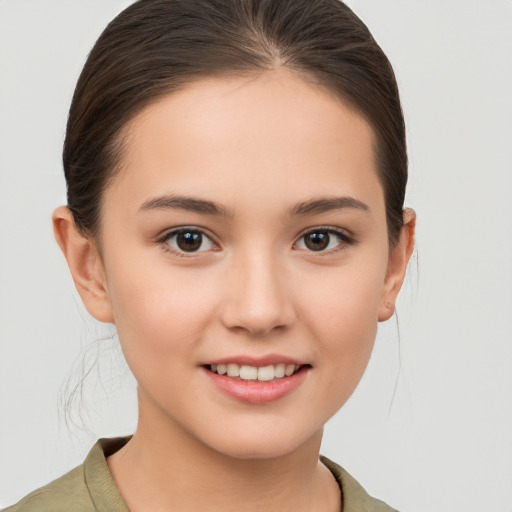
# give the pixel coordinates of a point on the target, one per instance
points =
(155, 47)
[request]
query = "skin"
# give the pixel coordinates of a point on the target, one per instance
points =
(258, 146)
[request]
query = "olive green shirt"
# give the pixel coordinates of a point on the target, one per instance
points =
(91, 488)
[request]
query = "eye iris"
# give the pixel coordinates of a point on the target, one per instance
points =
(317, 241)
(189, 241)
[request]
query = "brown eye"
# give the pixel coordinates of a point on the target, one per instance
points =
(188, 240)
(317, 241)
(323, 240)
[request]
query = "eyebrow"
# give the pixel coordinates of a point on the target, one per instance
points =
(205, 207)
(328, 204)
(190, 204)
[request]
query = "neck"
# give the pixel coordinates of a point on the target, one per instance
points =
(165, 468)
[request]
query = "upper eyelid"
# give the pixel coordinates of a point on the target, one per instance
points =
(168, 233)
(345, 238)
(343, 233)
(162, 241)
(330, 229)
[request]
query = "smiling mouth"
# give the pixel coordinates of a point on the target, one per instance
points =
(256, 373)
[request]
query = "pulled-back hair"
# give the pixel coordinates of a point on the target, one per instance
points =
(155, 47)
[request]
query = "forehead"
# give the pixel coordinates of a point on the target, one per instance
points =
(271, 134)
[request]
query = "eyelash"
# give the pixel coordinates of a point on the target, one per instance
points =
(164, 241)
(345, 240)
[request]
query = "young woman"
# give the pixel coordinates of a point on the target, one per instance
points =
(236, 172)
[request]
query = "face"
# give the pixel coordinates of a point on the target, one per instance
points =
(246, 232)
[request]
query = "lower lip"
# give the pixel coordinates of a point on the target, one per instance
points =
(258, 392)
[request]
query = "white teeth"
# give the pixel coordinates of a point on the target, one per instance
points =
(266, 373)
(290, 368)
(262, 373)
(248, 372)
(280, 371)
(233, 370)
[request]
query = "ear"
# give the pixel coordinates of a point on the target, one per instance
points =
(399, 256)
(85, 264)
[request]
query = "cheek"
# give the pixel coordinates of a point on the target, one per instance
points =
(341, 311)
(344, 299)
(159, 311)
(345, 328)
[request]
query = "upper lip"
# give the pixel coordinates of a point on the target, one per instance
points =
(267, 360)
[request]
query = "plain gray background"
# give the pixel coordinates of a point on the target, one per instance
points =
(438, 438)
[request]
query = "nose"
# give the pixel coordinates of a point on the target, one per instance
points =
(257, 296)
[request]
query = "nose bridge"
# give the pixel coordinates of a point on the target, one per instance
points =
(257, 299)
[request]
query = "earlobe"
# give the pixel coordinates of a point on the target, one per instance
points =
(84, 263)
(399, 257)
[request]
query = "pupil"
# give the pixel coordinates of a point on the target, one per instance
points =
(189, 241)
(317, 241)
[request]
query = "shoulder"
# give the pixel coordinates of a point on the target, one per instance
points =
(89, 487)
(66, 494)
(355, 498)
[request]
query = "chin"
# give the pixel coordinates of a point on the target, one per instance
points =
(263, 444)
